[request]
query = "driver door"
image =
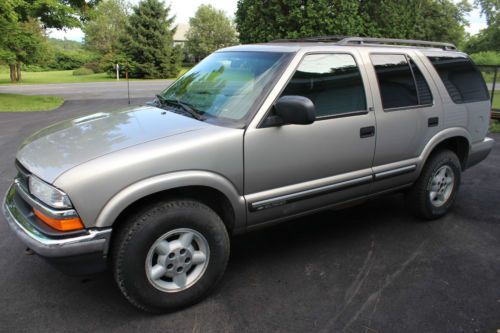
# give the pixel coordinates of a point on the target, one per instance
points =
(290, 169)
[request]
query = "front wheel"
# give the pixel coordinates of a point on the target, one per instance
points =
(433, 194)
(170, 255)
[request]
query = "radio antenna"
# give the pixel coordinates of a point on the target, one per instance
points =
(128, 84)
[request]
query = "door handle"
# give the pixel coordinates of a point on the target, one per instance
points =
(366, 132)
(433, 121)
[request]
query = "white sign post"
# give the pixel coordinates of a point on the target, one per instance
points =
(117, 67)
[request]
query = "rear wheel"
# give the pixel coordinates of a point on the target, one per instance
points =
(433, 194)
(170, 255)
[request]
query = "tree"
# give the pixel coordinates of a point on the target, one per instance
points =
(487, 39)
(148, 41)
(105, 26)
(441, 20)
(296, 18)
(22, 24)
(209, 30)
(435, 20)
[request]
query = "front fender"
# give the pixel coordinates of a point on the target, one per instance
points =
(169, 181)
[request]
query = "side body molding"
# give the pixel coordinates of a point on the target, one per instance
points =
(169, 181)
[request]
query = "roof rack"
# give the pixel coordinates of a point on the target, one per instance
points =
(345, 40)
(311, 39)
(413, 42)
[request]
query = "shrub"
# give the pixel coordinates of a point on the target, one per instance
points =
(82, 71)
(108, 62)
(34, 68)
(95, 66)
(486, 58)
(71, 59)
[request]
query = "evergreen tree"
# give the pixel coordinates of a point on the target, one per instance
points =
(148, 42)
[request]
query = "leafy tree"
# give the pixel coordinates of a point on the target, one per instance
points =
(22, 24)
(258, 22)
(105, 26)
(23, 42)
(209, 30)
(149, 41)
(487, 39)
(435, 20)
(441, 20)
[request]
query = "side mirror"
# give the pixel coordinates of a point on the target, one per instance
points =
(296, 110)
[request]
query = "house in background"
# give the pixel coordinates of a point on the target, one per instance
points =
(180, 34)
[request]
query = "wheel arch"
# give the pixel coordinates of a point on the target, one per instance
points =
(209, 188)
(454, 139)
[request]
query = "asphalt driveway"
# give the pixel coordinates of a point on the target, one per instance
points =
(92, 90)
(372, 268)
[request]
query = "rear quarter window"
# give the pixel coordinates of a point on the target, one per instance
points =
(461, 78)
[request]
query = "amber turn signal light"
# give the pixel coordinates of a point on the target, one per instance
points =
(60, 224)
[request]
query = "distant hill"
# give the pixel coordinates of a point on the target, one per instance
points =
(67, 45)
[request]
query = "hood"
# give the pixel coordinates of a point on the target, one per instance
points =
(58, 148)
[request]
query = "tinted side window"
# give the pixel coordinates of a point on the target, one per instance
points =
(461, 78)
(423, 91)
(395, 80)
(331, 81)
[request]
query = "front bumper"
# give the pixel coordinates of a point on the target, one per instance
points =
(75, 253)
(479, 151)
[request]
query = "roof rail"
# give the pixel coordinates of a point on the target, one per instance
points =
(345, 40)
(311, 39)
(371, 40)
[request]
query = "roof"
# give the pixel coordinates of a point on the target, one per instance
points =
(180, 32)
(293, 45)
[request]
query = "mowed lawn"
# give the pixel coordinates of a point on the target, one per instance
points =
(24, 103)
(496, 100)
(61, 77)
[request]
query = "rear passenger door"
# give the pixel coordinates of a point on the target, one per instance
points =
(290, 169)
(408, 112)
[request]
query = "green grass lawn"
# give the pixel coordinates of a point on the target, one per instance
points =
(23, 103)
(61, 77)
(495, 126)
(496, 100)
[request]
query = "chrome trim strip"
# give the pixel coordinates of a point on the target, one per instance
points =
(395, 172)
(283, 199)
(53, 213)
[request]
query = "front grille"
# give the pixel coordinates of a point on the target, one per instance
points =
(22, 176)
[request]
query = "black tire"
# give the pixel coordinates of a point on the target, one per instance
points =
(417, 197)
(137, 234)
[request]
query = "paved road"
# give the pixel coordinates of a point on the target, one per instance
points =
(372, 268)
(101, 90)
(92, 90)
(497, 86)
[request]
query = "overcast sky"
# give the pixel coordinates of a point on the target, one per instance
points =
(184, 9)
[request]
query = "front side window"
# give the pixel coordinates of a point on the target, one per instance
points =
(461, 78)
(226, 86)
(400, 81)
(331, 81)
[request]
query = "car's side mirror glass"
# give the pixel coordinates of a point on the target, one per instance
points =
(298, 110)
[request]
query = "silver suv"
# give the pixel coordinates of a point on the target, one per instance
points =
(251, 136)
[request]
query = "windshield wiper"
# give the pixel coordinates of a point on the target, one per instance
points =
(191, 111)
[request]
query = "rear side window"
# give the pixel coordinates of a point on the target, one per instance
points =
(331, 81)
(400, 81)
(461, 78)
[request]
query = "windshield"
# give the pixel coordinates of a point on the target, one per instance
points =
(226, 85)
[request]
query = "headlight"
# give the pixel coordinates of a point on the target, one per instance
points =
(48, 194)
